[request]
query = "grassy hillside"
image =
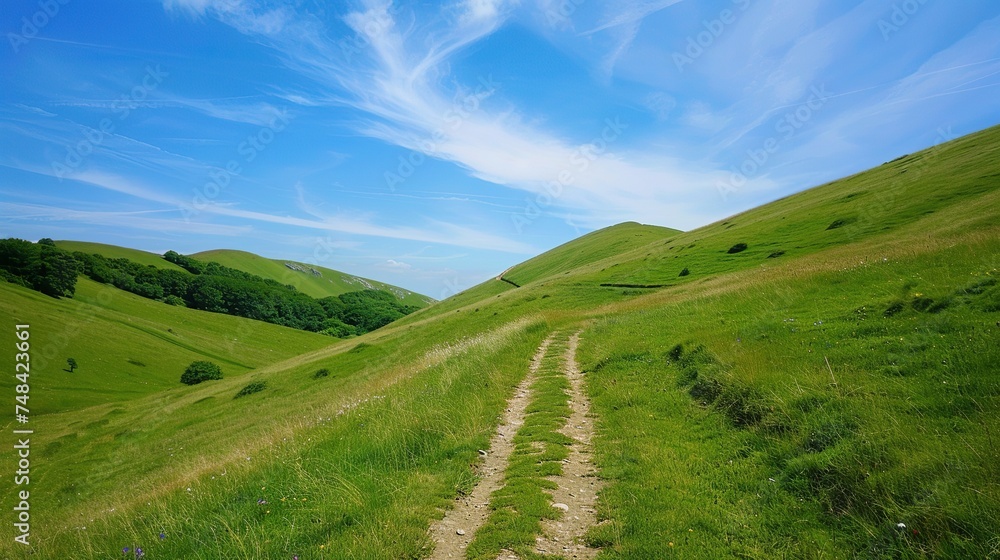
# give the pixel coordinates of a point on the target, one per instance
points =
(315, 281)
(836, 400)
(128, 347)
(116, 252)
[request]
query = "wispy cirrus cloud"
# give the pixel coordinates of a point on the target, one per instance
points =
(399, 82)
(435, 231)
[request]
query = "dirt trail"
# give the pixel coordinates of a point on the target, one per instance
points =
(455, 531)
(578, 483)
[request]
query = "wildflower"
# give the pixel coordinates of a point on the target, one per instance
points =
(901, 525)
(670, 544)
(126, 550)
(261, 502)
(162, 535)
(139, 552)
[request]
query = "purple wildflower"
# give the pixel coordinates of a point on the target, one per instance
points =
(139, 552)
(162, 535)
(126, 550)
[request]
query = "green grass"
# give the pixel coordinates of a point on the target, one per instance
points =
(517, 509)
(764, 451)
(312, 280)
(128, 347)
(768, 404)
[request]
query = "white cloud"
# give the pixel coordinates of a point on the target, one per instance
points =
(397, 265)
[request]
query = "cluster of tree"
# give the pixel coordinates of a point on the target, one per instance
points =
(40, 266)
(209, 287)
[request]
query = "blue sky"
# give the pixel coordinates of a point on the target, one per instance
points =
(432, 145)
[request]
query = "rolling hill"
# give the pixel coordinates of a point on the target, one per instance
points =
(821, 383)
(116, 252)
(315, 281)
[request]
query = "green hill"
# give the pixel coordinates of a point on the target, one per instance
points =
(593, 247)
(826, 391)
(315, 281)
(116, 252)
(128, 347)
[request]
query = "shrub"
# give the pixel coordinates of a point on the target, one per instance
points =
(922, 303)
(775, 254)
(738, 248)
(200, 371)
(174, 300)
(837, 224)
(684, 272)
(321, 373)
(251, 388)
(894, 308)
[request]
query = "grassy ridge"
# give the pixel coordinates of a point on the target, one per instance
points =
(312, 280)
(590, 248)
(115, 252)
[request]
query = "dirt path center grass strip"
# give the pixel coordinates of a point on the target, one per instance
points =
(578, 485)
(518, 508)
(453, 533)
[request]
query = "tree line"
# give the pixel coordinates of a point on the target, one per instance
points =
(209, 286)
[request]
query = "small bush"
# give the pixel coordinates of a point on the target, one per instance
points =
(684, 272)
(200, 371)
(979, 287)
(675, 353)
(940, 305)
(738, 248)
(837, 224)
(321, 373)
(894, 308)
(251, 388)
(989, 301)
(744, 406)
(705, 390)
(922, 303)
